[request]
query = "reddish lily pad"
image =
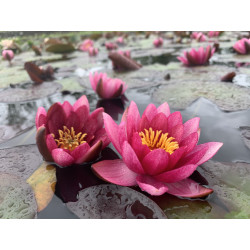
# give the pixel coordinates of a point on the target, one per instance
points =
(29, 92)
(17, 200)
(114, 202)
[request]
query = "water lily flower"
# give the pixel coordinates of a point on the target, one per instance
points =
(110, 46)
(158, 152)
(86, 45)
(158, 42)
(69, 134)
(199, 36)
(197, 57)
(120, 40)
(105, 87)
(242, 46)
(8, 55)
(93, 51)
(214, 33)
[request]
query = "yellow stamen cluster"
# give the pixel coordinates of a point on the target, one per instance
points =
(156, 139)
(68, 139)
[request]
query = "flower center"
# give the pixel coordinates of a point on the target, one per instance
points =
(68, 139)
(156, 139)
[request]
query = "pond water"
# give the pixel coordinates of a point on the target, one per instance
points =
(75, 192)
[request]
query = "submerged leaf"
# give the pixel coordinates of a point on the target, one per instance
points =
(43, 182)
(114, 202)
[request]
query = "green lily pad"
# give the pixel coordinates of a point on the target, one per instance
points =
(17, 200)
(20, 161)
(227, 96)
(71, 84)
(231, 184)
(61, 48)
(29, 92)
(114, 202)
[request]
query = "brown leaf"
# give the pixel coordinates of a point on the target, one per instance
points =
(228, 77)
(43, 182)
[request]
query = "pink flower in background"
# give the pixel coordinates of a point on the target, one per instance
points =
(110, 46)
(69, 134)
(199, 36)
(242, 46)
(8, 55)
(213, 33)
(158, 151)
(105, 87)
(93, 51)
(86, 45)
(120, 40)
(197, 57)
(158, 42)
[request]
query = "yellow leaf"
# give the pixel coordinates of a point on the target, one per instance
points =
(43, 182)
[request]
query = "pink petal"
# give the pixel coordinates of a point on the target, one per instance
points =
(150, 112)
(177, 132)
(159, 122)
(133, 119)
(164, 108)
(213, 148)
(83, 115)
(101, 135)
(41, 117)
(115, 171)
(82, 101)
(190, 142)
(56, 119)
(73, 121)
(91, 154)
(67, 108)
(50, 142)
(175, 157)
(150, 185)
(155, 162)
(144, 123)
(79, 152)
(140, 149)
(188, 188)
(177, 174)
(190, 127)
(130, 158)
(112, 130)
(174, 119)
(62, 158)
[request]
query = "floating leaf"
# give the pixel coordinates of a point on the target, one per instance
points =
(114, 202)
(17, 200)
(29, 92)
(61, 48)
(20, 161)
(43, 182)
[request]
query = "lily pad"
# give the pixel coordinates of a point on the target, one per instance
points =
(61, 48)
(246, 135)
(29, 92)
(114, 202)
(21, 161)
(71, 84)
(231, 184)
(17, 200)
(227, 96)
(43, 182)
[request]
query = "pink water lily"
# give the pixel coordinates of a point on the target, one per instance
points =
(8, 55)
(214, 33)
(197, 57)
(158, 152)
(199, 36)
(86, 45)
(69, 134)
(242, 46)
(158, 42)
(105, 87)
(110, 46)
(93, 51)
(120, 40)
